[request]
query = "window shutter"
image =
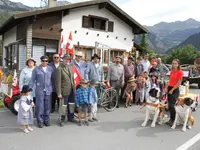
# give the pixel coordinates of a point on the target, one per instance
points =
(85, 22)
(110, 26)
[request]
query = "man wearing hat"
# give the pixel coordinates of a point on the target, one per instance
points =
(65, 88)
(79, 63)
(54, 64)
(145, 63)
(94, 71)
(41, 79)
(116, 75)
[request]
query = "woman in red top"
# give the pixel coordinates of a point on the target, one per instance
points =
(175, 80)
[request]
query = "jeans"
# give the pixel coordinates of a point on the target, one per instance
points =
(172, 99)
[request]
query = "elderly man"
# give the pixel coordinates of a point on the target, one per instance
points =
(54, 64)
(94, 71)
(65, 87)
(163, 70)
(41, 78)
(79, 63)
(146, 64)
(116, 75)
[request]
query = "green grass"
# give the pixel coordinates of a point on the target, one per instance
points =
(1, 104)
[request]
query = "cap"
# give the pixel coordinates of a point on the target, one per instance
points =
(44, 57)
(66, 56)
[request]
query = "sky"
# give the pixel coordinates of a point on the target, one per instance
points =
(150, 12)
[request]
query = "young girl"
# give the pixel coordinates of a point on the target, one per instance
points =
(128, 93)
(152, 83)
(25, 113)
(140, 89)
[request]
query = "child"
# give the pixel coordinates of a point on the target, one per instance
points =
(25, 113)
(82, 101)
(140, 89)
(93, 98)
(128, 93)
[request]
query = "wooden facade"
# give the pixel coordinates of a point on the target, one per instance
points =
(47, 26)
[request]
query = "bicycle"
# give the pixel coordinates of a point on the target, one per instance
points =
(107, 97)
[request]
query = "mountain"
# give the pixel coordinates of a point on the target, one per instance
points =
(164, 36)
(7, 8)
(6, 5)
(193, 40)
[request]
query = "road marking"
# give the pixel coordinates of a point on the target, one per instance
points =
(189, 143)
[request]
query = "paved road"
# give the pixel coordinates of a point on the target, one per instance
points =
(118, 130)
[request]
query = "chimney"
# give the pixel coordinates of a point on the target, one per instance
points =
(52, 3)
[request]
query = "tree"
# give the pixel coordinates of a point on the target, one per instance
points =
(144, 44)
(186, 54)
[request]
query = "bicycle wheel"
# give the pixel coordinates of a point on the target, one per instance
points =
(109, 99)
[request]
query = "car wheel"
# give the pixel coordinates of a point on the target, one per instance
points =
(15, 104)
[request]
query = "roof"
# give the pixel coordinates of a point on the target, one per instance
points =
(107, 4)
(138, 47)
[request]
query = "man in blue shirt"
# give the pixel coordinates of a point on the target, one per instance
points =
(80, 64)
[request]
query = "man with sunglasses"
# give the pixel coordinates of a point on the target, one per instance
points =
(54, 64)
(80, 64)
(41, 79)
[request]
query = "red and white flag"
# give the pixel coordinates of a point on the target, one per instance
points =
(69, 45)
(62, 48)
(77, 75)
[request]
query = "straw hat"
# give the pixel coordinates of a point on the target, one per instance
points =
(79, 53)
(131, 79)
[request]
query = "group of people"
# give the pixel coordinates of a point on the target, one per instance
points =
(44, 85)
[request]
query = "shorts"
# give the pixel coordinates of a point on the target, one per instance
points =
(83, 108)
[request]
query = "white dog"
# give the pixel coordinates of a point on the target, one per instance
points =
(152, 109)
(183, 114)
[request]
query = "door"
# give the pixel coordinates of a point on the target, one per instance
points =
(50, 51)
(22, 56)
(37, 52)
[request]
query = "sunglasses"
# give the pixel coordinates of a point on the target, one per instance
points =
(44, 60)
(78, 56)
(56, 57)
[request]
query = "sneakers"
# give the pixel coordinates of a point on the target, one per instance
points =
(79, 123)
(95, 119)
(86, 123)
(29, 129)
(91, 120)
(26, 130)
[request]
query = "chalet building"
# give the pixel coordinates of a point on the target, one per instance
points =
(36, 33)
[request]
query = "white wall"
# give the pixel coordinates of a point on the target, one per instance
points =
(9, 37)
(73, 22)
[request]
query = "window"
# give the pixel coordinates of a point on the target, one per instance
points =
(98, 23)
(11, 56)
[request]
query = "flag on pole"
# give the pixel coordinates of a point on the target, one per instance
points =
(62, 46)
(69, 45)
(77, 75)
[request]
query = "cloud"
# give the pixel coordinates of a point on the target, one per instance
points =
(149, 12)
(154, 11)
